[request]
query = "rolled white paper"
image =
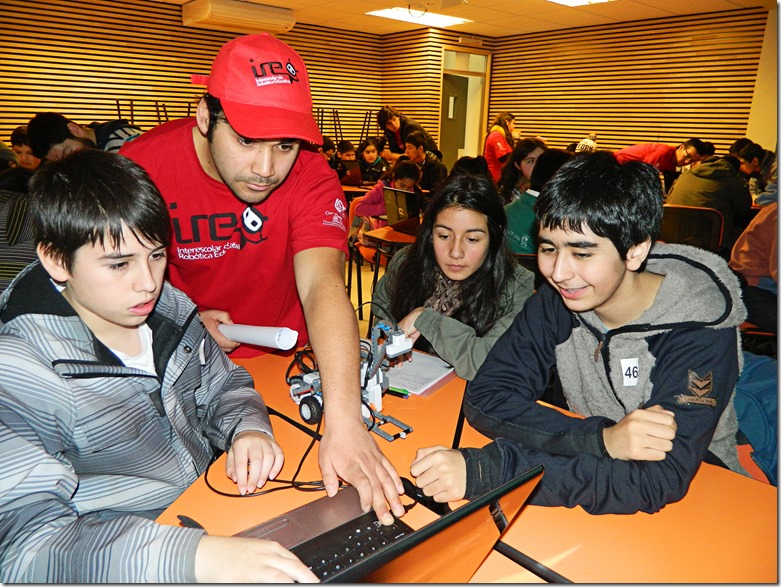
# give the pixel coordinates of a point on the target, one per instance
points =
(267, 336)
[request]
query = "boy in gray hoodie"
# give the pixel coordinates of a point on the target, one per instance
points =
(644, 340)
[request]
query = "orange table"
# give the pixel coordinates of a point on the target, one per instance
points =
(388, 236)
(724, 530)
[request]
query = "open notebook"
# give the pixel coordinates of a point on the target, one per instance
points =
(421, 376)
(448, 550)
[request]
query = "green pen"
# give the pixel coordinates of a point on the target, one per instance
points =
(402, 393)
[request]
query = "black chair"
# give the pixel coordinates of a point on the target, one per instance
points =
(692, 225)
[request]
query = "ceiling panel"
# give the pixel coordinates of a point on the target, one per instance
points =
(498, 18)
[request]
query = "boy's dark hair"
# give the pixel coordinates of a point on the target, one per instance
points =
(46, 129)
(708, 149)
(405, 169)
(548, 163)
(344, 147)
(698, 145)
(19, 137)
(751, 151)
(738, 145)
(470, 165)
(416, 139)
(622, 203)
(86, 198)
(328, 144)
(385, 114)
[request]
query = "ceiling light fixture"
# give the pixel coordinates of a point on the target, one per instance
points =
(573, 3)
(413, 14)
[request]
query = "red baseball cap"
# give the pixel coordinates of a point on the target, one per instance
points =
(263, 87)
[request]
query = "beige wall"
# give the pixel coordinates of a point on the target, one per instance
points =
(763, 120)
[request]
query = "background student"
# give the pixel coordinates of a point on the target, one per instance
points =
(432, 170)
(517, 170)
(372, 165)
(521, 221)
(755, 257)
(499, 143)
(345, 151)
(396, 127)
(15, 179)
(403, 176)
(761, 168)
(645, 344)
(52, 136)
(457, 288)
(112, 395)
(715, 182)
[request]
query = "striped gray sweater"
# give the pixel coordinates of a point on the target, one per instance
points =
(92, 451)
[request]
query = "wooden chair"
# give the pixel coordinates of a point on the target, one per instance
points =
(692, 225)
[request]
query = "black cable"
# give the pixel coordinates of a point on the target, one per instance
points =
(529, 563)
(284, 484)
(381, 307)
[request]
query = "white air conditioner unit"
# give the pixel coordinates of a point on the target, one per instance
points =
(237, 16)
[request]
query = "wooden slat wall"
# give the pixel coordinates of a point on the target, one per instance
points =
(345, 74)
(77, 58)
(661, 80)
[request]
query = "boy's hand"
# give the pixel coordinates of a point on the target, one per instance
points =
(642, 435)
(221, 559)
(211, 320)
(350, 452)
(440, 472)
(253, 458)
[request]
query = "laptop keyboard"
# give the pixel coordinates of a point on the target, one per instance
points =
(337, 550)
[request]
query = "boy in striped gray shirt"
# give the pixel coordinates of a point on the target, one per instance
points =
(113, 395)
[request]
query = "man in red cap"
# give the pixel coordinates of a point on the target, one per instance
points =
(260, 236)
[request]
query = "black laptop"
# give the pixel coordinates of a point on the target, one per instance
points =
(353, 175)
(357, 548)
(402, 210)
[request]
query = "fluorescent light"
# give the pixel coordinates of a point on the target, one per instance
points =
(578, 2)
(416, 16)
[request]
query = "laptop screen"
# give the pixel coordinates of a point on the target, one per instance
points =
(402, 210)
(353, 175)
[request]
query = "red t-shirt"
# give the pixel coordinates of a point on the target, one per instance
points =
(227, 255)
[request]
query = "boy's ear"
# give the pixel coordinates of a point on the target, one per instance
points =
(637, 254)
(54, 266)
(76, 130)
(202, 117)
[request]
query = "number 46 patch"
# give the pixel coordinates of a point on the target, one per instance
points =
(630, 368)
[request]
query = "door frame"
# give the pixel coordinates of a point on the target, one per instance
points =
(486, 87)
